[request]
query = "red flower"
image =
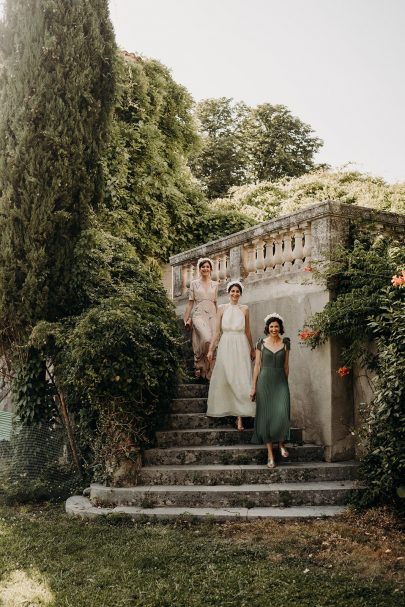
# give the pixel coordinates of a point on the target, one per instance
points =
(307, 334)
(398, 281)
(308, 269)
(343, 371)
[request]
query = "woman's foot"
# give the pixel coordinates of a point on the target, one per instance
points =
(239, 425)
(270, 463)
(284, 452)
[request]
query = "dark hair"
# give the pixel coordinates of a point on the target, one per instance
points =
(235, 284)
(268, 323)
(203, 262)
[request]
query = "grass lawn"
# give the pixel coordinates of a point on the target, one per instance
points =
(49, 559)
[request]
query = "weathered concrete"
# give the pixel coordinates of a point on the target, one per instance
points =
(210, 436)
(227, 454)
(247, 474)
(226, 496)
(87, 510)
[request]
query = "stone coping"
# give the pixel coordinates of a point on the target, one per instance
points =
(329, 208)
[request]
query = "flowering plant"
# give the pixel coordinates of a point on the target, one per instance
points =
(398, 281)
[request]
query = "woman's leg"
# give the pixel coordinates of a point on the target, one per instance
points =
(239, 424)
(270, 456)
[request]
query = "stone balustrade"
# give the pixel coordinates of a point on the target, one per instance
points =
(278, 246)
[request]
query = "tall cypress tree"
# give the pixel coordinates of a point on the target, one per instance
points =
(56, 90)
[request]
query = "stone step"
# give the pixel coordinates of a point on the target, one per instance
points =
(247, 474)
(82, 507)
(192, 391)
(330, 493)
(194, 421)
(188, 421)
(189, 405)
(227, 454)
(211, 436)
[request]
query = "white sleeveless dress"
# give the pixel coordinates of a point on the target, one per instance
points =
(232, 375)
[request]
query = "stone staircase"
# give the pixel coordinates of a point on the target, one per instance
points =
(204, 467)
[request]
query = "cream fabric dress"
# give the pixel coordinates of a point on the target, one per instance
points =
(231, 379)
(203, 317)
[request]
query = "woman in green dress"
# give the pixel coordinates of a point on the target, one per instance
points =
(270, 388)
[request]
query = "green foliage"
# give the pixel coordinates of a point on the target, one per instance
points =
(151, 197)
(364, 308)
(269, 199)
(221, 161)
(243, 145)
(56, 88)
(357, 276)
(383, 466)
(33, 394)
(116, 361)
(278, 144)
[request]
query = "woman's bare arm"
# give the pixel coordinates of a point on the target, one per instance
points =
(256, 372)
(248, 333)
(217, 333)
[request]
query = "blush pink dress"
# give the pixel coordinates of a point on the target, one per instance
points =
(203, 317)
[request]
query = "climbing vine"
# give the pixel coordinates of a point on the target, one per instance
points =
(367, 282)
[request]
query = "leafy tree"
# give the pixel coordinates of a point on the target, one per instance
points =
(151, 196)
(56, 89)
(221, 161)
(243, 145)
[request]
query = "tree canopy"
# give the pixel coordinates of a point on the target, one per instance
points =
(244, 145)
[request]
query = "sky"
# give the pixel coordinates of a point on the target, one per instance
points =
(338, 65)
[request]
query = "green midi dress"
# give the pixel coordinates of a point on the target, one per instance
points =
(272, 422)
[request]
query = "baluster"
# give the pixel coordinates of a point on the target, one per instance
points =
(222, 267)
(307, 250)
(184, 278)
(269, 259)
(278, 253)
(288, 252)
(259, 261)
(298, 249)
(215, 270)
(250, 259)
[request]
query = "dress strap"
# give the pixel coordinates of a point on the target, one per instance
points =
(259, 344)
(287, 343)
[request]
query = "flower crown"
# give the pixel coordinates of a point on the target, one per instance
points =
(203, 260)
(273, 315)
(232, 283)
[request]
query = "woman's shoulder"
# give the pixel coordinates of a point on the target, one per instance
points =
(287, 342)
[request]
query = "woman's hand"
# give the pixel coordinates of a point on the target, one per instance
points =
(210, 356)
(252, 353)
(187, 323)
(253, 394)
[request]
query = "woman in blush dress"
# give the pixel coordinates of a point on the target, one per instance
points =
(230, 382)
(270, 388)
(200, 315)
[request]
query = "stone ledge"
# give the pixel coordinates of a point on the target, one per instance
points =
(81, 507)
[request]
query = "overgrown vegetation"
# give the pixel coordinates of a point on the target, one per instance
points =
(269, 199)
(367, 307)
(86, 326)
(352, 560)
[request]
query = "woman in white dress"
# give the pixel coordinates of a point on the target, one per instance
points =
(230, 382)
(200, 316)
